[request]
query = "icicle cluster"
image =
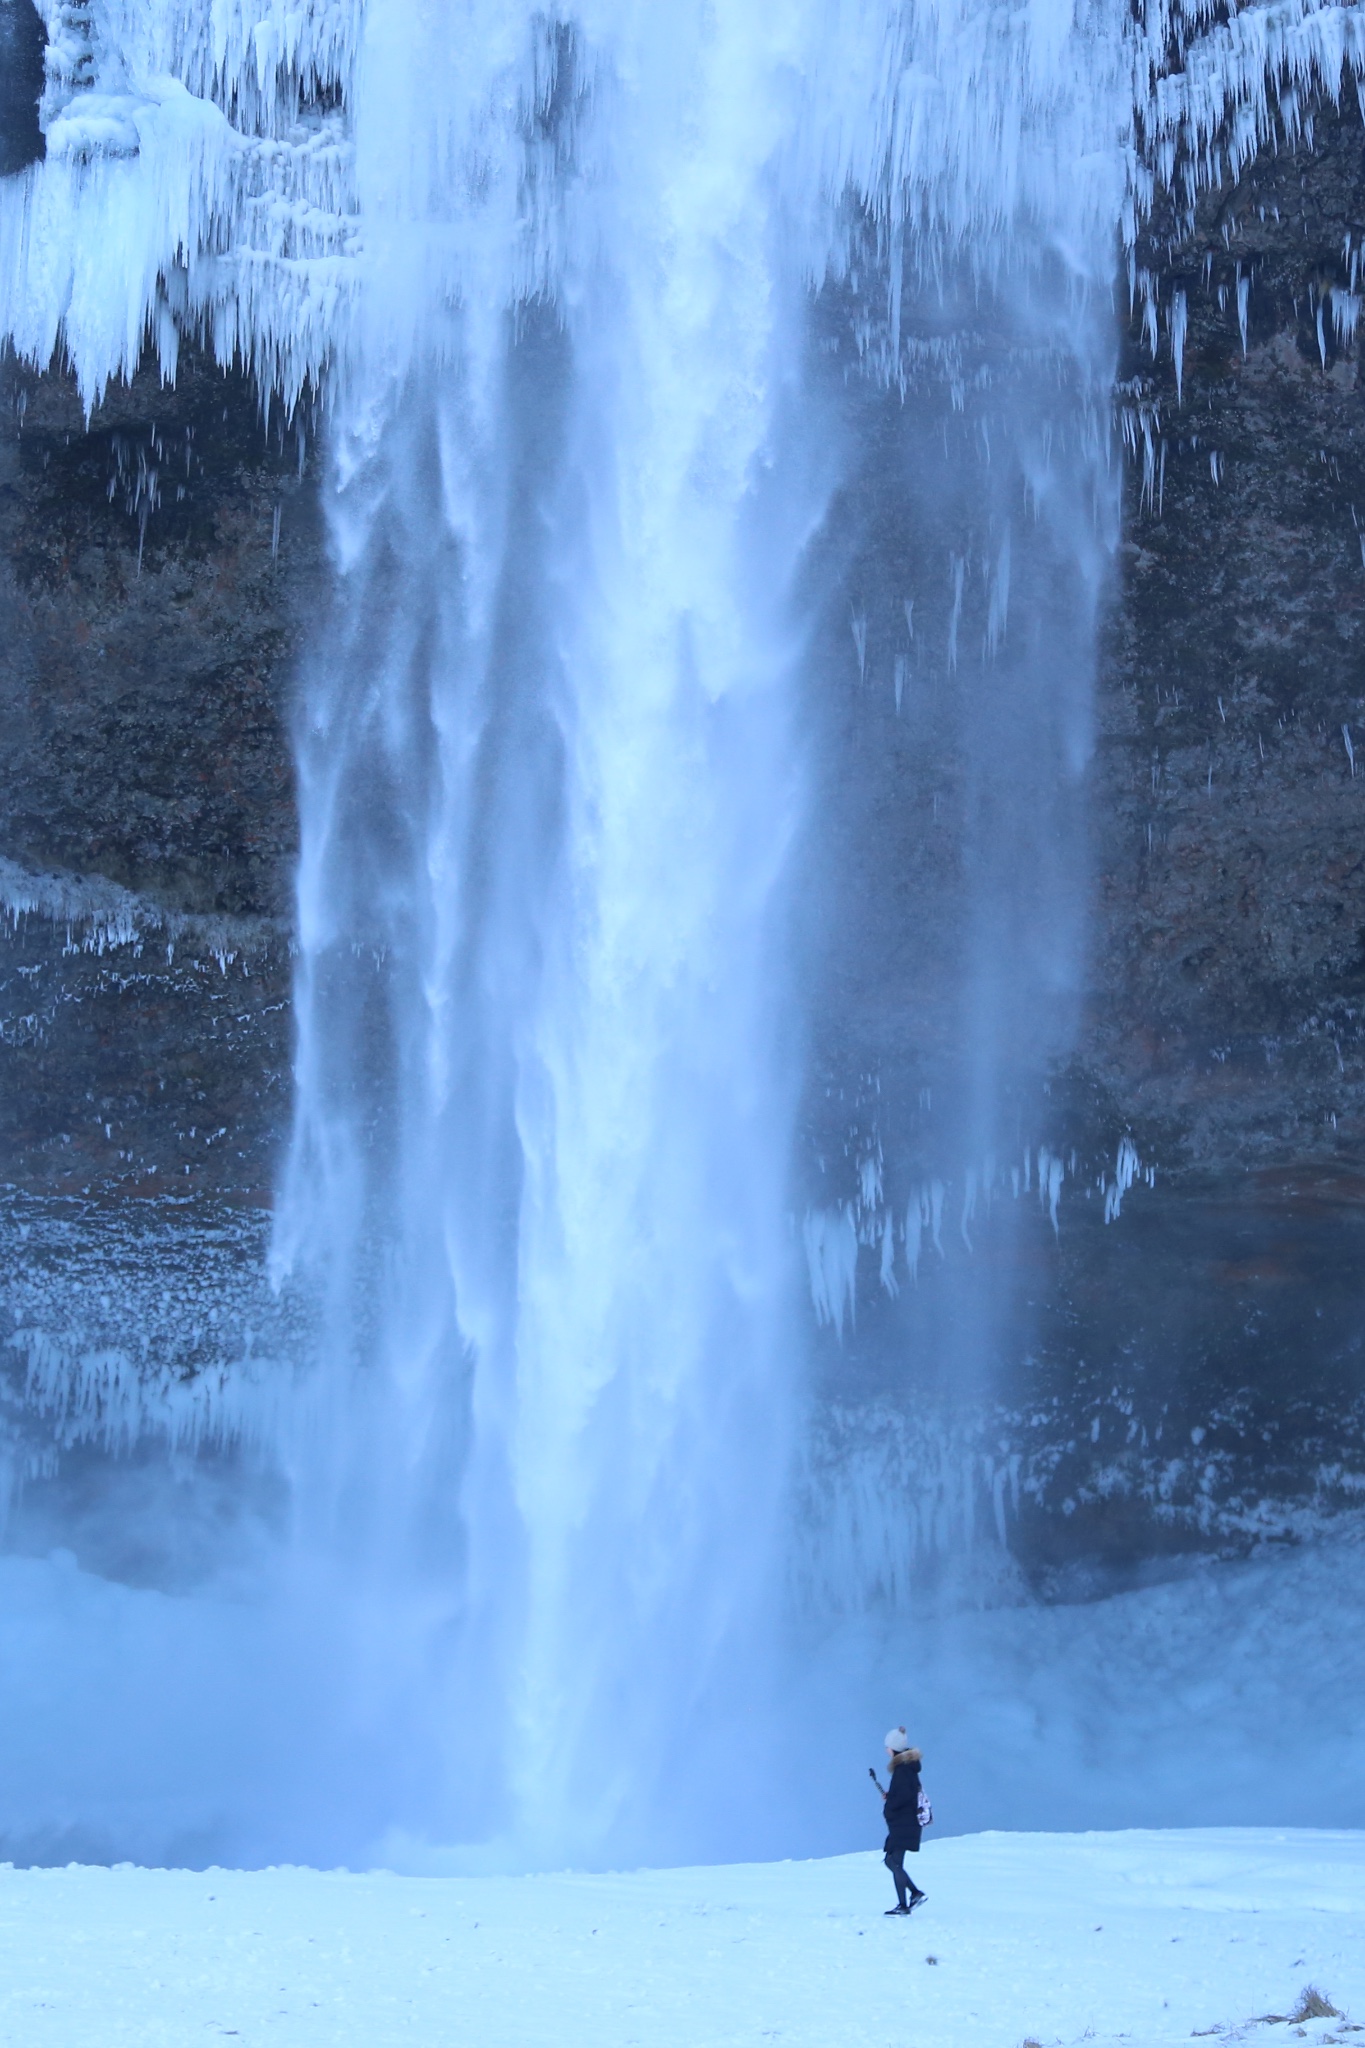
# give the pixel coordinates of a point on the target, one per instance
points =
(198, 179)
(201, 176)
(833, 1236)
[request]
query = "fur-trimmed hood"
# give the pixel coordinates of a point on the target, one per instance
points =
(905, 1756)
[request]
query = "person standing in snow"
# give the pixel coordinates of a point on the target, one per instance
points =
(900, 1809)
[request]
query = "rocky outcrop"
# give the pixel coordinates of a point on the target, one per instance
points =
(21, 81)
(1228, 991)
(157, 566)
(1223, 1026)
(159, 562)
(1188, 1373)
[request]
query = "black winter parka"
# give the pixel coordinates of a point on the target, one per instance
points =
(900, 1809)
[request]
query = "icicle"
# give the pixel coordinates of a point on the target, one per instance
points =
(959, 576)
(935, 1219)
(968, 1207)
(1127, 1168)
(888, 1266)
(1051, 1173)
(1243, 305)
(1345, 314)
(1178, 323)
(914, 1228)
(1148, 285)
(832, 1259)
(1000, 597)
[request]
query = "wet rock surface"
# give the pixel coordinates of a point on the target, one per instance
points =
(22, 40)
(1228, 986)
(1226, 996)
(1186, 1375)
(157, 567)
(1189, 1373)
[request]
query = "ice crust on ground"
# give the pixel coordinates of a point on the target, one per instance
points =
(1140, 1937)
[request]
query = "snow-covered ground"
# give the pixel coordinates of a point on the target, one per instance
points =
(1144, 1937)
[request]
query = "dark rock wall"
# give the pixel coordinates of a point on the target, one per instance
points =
(1229, 976)
(22, 42)
(157, 567)
(1192, 1373)
(158, 564)
(1227, 988)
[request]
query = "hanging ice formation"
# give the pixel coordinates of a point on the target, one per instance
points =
(201, 159)
(553, 269)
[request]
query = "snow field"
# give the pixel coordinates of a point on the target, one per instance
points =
(1143, 1937)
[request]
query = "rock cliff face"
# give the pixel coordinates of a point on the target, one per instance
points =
(1227, 989)
(1232, 861)
(156, 566)
(1187, 1375)
(21, 82)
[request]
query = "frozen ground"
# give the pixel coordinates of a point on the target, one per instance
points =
(1144, 1937)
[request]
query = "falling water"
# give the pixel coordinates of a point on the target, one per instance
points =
(549, 788)
(619, 310)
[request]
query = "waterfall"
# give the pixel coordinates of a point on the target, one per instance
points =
(547, 786)
(617, 311)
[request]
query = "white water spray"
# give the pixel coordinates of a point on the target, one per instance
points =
(547, 789)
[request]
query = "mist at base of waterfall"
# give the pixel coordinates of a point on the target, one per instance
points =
(136, 1724)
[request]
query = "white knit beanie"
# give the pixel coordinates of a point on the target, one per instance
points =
(897, 1739)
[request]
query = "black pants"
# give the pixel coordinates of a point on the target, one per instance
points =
(894, 1860)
